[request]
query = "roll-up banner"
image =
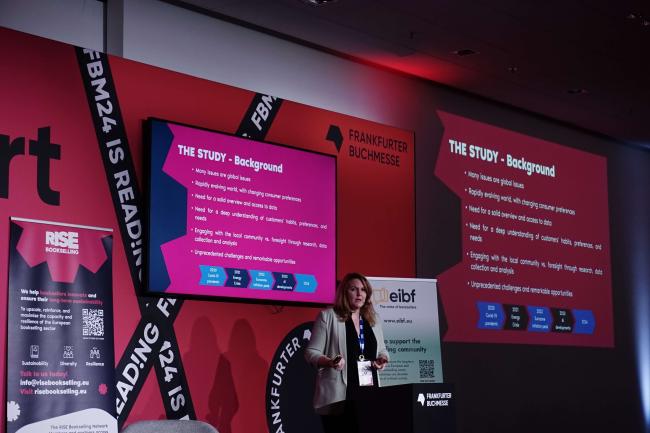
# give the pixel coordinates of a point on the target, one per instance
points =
(60, 360)
(409, 310)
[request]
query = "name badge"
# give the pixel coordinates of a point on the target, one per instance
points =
(365, 373)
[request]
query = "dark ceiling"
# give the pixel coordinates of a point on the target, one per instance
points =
(583, 62)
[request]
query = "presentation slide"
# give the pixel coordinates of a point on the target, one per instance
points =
(237, 218)
(534, 230)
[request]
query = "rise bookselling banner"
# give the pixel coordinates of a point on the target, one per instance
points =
(60, 361)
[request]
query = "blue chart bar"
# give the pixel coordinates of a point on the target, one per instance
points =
(306, 283)
(262, 280)
(585, 322)
(540, 319)
(491, 315)
(212, 276)
(259, 280)
(284, 281)
(237, 277)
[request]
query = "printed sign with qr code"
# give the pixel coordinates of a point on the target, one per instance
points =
(92, 322)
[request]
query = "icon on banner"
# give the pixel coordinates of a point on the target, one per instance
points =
(68, 352)
(34, 351)
(421, 399)
(380, 295)
(94, 353)
(13, 411)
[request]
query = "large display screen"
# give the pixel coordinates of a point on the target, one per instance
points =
(534, 230)
(236, 218)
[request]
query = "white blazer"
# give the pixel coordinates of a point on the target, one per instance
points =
(328, 338)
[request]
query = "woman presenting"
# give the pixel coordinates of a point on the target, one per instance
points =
(347, 345)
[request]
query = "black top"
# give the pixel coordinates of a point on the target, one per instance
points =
(353, 349)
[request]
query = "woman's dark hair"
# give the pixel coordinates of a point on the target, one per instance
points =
(341, 304)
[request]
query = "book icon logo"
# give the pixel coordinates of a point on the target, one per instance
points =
(381, 295)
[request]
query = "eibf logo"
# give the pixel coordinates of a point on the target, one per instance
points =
(62, 242)
(384, 295)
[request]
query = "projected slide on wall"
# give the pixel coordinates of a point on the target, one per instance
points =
(237, 218)
(534, 229)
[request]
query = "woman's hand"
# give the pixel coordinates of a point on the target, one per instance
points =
(380, 363)
(337, 363)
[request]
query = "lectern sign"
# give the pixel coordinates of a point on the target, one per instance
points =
(409, 310)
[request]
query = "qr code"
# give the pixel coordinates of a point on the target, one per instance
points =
(427, 369)
(93, 322)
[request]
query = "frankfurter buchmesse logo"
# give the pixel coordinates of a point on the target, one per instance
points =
(290, 386)
(334, 135)
(43, 150)
(434, 399)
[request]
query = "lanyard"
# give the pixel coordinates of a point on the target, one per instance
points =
(362, 341)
